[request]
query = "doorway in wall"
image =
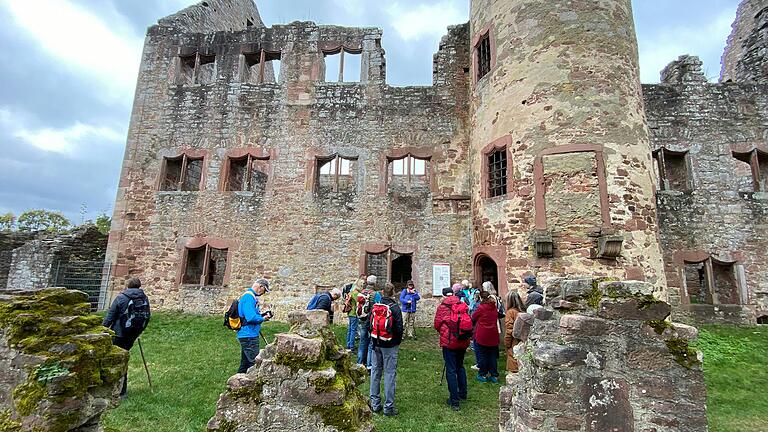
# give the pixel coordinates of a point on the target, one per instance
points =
(486, 270)
(401, 270)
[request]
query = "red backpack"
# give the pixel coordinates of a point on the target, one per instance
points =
(381, 322)
(459, 323)
(364, 303)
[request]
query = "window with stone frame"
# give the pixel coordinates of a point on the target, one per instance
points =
(182, 173)
(205, 265)
(390, 266)
(672, 170)
(498, 165)
(335, 174)
(408, 171)
(711, 282)
(343, 65)
(483, 55)
(247, 174)
(196, 68)
(758, 164)
(261, 67)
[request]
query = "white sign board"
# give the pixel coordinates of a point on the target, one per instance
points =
(441, 278)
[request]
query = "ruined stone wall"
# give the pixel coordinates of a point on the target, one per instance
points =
(742, 28)
(8, 242)
(293, 234)
(602, 358)
(33, 264)
(563, 98)
(215, 15)
(719, 216)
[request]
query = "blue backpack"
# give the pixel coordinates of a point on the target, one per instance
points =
(312, 305)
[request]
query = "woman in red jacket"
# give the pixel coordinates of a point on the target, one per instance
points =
(487, 338)
(453, 347)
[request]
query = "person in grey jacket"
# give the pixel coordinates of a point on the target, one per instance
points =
(385, 356)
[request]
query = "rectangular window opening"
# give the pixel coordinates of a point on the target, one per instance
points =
(206, 69)
(673, 168)
(497, 173)
(335, 175)
(352, 67)
(697, 283)
(193, 269)
(484, 56)
(217, 266)
(247, 174)
(182, 174)
(725, 282)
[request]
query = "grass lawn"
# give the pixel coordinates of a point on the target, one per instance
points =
(190, 359)
(736, 373)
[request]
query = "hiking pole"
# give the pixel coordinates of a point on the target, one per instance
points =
(264, 339)
(442, 375)
(143, 359)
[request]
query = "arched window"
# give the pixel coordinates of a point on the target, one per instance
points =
(335, 174)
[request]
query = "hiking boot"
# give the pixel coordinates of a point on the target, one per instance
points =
(481, 378)
(493, 379)
(475, 367)
(392, 413)
(453, 406)
(374, 410)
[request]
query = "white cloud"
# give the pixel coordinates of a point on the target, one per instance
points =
(70, 140)
(102, 49)
(414, 22)
(659, 49)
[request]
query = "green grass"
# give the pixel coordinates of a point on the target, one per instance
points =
(736, 373)
(190, 359)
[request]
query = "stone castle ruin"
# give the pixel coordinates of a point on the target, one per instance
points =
(535, 150)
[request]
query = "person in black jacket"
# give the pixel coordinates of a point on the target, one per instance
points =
(128, 317)
(324, 301)
(535, 293)
(385, 355)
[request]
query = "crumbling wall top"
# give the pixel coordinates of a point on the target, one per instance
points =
(685, 70)
(215, 15)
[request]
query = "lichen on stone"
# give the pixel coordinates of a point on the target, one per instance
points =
(684, 355)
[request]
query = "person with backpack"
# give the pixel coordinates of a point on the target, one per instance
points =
(470, 294)
(365, 301)
(250, 320)
(324, 301)
(350, 307)
(386, 329)
(535, 295)
(408, 298)
(455, 327)
(486, 336)
(128, 317)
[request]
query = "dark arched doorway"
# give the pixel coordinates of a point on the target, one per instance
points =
(486, 270)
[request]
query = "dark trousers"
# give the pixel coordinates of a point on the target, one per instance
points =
(125, 343)
(455, 374)
(249, 349)
(487, 360)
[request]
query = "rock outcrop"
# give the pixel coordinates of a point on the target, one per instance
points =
(302, 382)
(605, 359)
(59, 371)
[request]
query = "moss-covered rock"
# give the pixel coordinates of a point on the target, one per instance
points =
(64, 360)
(303, 382)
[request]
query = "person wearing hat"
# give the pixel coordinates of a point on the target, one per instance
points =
(535, 294)
(453, 348)
(324, 301)
(408, 298)
(365, 301)
(252, 317)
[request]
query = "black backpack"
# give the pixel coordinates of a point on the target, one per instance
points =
(136, 316)
(232, 318)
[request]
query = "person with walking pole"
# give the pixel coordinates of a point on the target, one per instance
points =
(251, 318)
(128, 317)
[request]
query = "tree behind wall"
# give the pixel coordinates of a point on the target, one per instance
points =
(42, 220)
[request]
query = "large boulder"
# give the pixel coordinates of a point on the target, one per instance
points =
(302, 382)
(58, 368)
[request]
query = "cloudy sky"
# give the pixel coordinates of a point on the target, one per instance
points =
(69, 71)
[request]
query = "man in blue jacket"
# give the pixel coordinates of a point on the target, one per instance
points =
(248, 335)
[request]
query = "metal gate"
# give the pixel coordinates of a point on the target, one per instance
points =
(91, 277)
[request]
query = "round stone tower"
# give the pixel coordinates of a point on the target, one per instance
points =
(563, 180)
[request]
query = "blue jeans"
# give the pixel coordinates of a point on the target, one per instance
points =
(365, 350)
(487, 360)
(351, 332)
(455, 374)
(384, 363)
(249, 349)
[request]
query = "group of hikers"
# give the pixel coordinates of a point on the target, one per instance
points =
(467, 317)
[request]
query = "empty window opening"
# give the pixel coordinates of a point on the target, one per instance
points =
(247, 174)
(762, 320)
(758, 169)
(343, 65)
(390, 266)
(197, 69)
(335, 175)
(261, 67)
(497, 173)
(205, 265)
(697, 283)
(672, 169)
(483, 50)
(182, 173)
(248, 23)
(725, 282)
